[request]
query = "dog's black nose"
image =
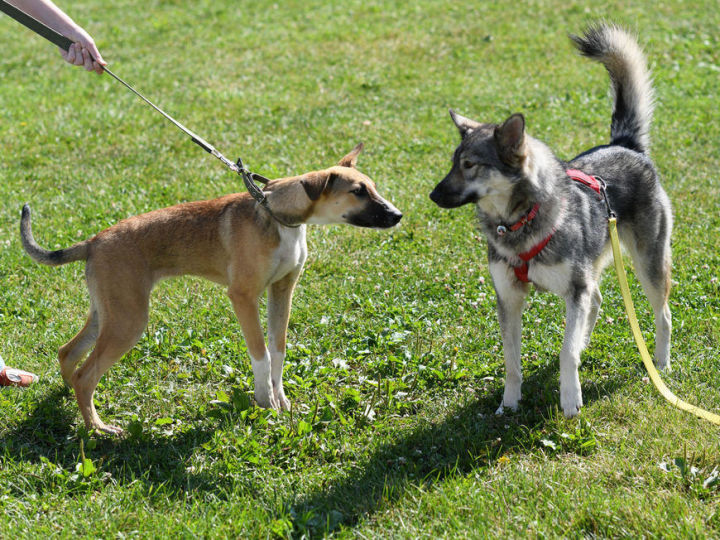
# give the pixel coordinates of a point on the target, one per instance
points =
(395, 217)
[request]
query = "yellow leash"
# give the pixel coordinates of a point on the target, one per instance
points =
(632, 317)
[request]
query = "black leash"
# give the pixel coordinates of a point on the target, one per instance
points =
(64, 43)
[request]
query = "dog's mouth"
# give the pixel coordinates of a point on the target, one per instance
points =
(452, 200)
(377, 216)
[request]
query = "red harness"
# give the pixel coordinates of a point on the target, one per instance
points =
(590, 181)
(521, 272)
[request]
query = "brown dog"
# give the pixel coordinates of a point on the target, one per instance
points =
(231, 240)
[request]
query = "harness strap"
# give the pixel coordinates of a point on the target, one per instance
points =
(590, 181)
(521, 272)
(594, 183)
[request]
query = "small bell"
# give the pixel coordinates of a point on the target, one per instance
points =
(501, 230)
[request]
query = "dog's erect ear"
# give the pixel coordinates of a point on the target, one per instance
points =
(315, 184)
(510, 140)
(464, 125)
(351, 159)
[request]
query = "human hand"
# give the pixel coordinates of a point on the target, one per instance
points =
(83, 52)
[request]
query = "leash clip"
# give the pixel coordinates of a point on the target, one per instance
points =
(257, 193)
(251, 186)
(603, 192)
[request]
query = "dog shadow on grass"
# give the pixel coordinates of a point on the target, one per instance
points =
(49, 434)
(468, 438)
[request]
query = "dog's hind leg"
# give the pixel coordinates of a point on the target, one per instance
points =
(578, 306)
(119, 332)
(278, 313)
(510, 302)
(652, 267)
(655, 280)
(75, 349)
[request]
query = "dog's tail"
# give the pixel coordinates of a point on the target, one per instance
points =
(78, 252)
(622, 56)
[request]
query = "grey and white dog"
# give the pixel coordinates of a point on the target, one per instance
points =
(545, 228)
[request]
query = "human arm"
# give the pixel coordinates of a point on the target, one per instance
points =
(83, 51)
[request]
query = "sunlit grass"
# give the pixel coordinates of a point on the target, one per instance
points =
(394, 363)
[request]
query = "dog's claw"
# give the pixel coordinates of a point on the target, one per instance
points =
(284, 403)
(572, 412)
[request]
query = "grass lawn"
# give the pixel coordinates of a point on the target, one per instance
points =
(395, 363)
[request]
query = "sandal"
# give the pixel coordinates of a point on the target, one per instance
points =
(16, 377)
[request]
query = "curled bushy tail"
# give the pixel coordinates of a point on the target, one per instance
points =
(621, 55)
(78, 252)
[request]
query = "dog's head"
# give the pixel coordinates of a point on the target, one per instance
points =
(342, 194)
(487, 164)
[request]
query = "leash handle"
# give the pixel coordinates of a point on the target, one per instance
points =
(637, 334)
(36, 26)
(64, 43)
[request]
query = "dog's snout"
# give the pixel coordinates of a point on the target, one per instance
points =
(392, 214)
(395, 216)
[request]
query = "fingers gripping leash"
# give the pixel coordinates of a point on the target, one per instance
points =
(239, 167)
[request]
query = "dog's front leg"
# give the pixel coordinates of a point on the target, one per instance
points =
(596, 302)
(510, 302)
(278, 311)
(577, 310)
(245, 305)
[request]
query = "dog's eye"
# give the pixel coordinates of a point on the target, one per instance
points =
(467, 164)
(359, 191)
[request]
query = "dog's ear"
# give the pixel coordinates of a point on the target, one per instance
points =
(315, 184)
(464, 125)
(510, 141)
(350, 160)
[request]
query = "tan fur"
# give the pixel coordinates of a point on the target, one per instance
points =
(230, 240)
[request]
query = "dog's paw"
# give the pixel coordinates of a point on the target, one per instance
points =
(265, 395)
(571, 402)
(266, 400)
(264, 392)
(511, 398)
(504, 407)
(663, 366)
(108, 428)
(282, 401)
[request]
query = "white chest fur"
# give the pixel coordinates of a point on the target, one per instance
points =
(290, 254)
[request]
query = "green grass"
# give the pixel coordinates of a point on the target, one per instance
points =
(394, 366)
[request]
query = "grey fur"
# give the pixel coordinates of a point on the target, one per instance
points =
(77, 252)
(505, 172)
